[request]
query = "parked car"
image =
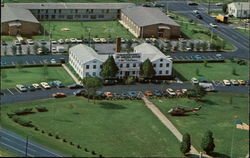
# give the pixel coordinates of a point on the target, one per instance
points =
(80, 92)
(67, 41)
(73, 40)
(53, 61)
(234, 82)
(17, 43)
(62, 60)
(4, 43)
(30, 41)
(196, 11)
(43, 42)
(124, 95)
(194, 80)
(157, 93)
(2, 63)
(132, 94)
(148, 93)
(53, 41)
(219, 56)
(58, 84)
(241, 82)
(53, 50)
(158, 5)
(108, 94)
(192, 3)
(103, 40)
(21, 88)
(110, 40)
(218, 4)
(59, 95)
(36, 85)
(52, 84)
(184, 90)
(199, 16)
(75, 86)
(30, 87)
(39, 50)
(213, 25)
(78, 40)
(61, 41)
(170, 91)
(96, 40)
(100, 93)
(197, 57)
(226, 82)
(178, 92)
(45, 85)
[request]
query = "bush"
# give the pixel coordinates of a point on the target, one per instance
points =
(22, 121)
(85, 149)
(23, 111)
(36, 128)
(93, 153)
(130, 80)
(10, 114)
(100, 155)
(64, 140)
(41, 109)
(71, 143)
(79, 147)
(241, 62)
(57, 137)
(50, 134)
(43, 131)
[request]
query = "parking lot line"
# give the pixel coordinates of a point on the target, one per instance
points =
(18, 90)
(10, 91)
(27, 62)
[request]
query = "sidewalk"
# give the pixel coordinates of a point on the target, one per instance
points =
(169, 125)
(71, 74)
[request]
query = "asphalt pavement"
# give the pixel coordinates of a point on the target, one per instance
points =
(18, 144)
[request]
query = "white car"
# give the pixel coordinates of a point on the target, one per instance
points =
(234, 82)
(54, 42)
(61, 41)
(213, 25)
(103, 40)
(184, 90)
(96, 40)
(36, 85)
(170, 91)
(195, 11)
(72, 40)
(53, 50)
(78, 40)
(17, 42)
(53, 61)
(30, 41)
(21, 88)
(39, 50)
(194, 80)
(226, 82)
(45, 85)
(218, 4)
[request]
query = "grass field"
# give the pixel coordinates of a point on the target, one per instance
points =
(100, 29)
(218, 115)
(8, 38)
(244, 32)
(6, 153)
(111, 128)
(187, 26)
(33, 75)
(75, 1)
(219, 1)
(213, 71)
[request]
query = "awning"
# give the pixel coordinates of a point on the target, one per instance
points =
(16, 23)
(164, 27)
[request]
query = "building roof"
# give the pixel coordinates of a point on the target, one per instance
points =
(150, 52)
(14, 14)
(144, 16)
(85, 53)
(241, 5)
(70, 5)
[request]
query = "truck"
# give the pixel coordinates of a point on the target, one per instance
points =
(221, 18)
(208, 86)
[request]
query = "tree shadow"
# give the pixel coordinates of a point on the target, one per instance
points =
(111, 106)
(210, 102)
(61, 120)
(216, 154)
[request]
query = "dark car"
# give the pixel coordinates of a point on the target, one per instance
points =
(43, 42)
(192, 3)
(124, 96)
(30, 87)
(157, 93)
(100, 93)
(1, 93)
(2, 63)
(58, 84)
(4, 43)
(62, 60)
(80, 92)
(199, 16)
(110, 40)
(51, 84)
(159, 5)
(75, 86)
(132, 94)
(147, 5)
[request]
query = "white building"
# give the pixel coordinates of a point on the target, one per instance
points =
(86, 62)
(239, 9)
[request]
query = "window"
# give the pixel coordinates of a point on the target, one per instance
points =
(127, 65)
(160, 65)
(38, 11)
(133, 72)
(54, 10)
(160, 72)
(94, 73)
(101, 16)
(94, 66)
(60, 10)
(53, 16)
(154, 65)
(161, 59)
(167, 65)
(61, 16)
(167, 72)
(77, 16)
(107, 11)
(134, 65)
(85, 16)
(93, 16)
(87, 74)
(46, 10)
(87, 66)
(101, 66)
(92, 10)
(69, 16)
(76, 11)
(120, 65)
(120, 72)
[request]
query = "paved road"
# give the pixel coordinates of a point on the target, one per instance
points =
(17, 144)
(225, 31)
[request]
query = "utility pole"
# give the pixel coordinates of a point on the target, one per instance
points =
(211, 38)
(26, 148)
(208, 11)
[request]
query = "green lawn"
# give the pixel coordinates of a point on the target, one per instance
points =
(99, 29)
(245, 32)
(218, 115)
(6, 153)
(187, 27)
(8, 38)
(213, 71)
(33, 75)
(75, 1)
(111, 128)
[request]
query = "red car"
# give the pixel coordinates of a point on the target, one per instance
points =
(59, 95)
(178, 92)
(148, 93)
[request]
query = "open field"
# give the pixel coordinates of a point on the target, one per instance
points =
(111, 128)
(99, 29)
(213, 71)
(218, 115)
(33, 75)
(75, 1)
(188, 25)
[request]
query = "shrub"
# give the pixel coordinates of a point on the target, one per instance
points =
(85, 149)
(36, 128)
(100, 155)
(22, 121)
(130, 80)
(10, 114)
(93, 153)
(43, 131)
(15, 118)
(64, 140)
(23, 111)
(41, 109)
(50, 134)
(57, 137)
(241, 62)
(71, 143)
(78, 146)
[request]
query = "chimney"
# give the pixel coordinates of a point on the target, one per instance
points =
(118, 44)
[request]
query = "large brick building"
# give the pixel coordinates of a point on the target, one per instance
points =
(149, 22)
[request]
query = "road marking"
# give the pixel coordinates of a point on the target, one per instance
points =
(10, 91)
(27, 62)
(17, 149)
(18, 90)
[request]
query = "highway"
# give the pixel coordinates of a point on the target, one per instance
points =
(17, 144)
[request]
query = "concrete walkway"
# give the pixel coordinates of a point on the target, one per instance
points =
(71, 74)
(169, 125)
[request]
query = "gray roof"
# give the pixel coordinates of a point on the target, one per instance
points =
(70, 5)
(150, 52)
(144, 16)
(12, 14)
(85, 53)
(241, 5)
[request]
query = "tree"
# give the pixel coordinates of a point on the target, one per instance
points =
(14, 49)
(185, 144)
(197, 71)
(197, 92)
(207, 143)
(198, 46)
(205, 63)
(234, 71)
(147, 69)
(129, 80)
(224, 8)
(192, 46)
(92, 84)
(109, 68)
(129, 45)
(212, 46)
(28, 50)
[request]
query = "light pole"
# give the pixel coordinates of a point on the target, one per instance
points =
(26, 148)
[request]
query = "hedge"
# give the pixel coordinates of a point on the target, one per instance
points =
(22, 121)
(23, 111)
(41, 109)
